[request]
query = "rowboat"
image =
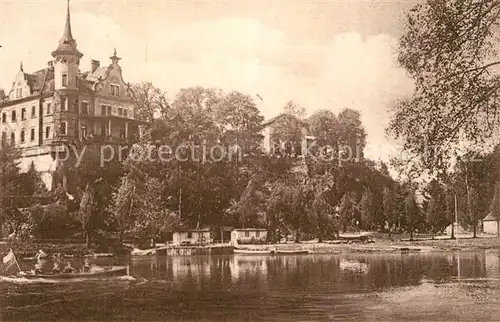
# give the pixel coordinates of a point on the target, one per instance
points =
(97, 272)
(292, 251)
(252, 251)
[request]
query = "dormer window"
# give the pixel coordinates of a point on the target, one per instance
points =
(19, 92)
(64, 80)
(115, 90)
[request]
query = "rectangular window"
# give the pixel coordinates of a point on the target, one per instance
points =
(257, 234)
(103, 110)
(120, 111)
(125, 112)
(19, 92)
(49, 108)
(33, 111)
(23, 114)
(32, 135)
(23, 138)
(63, 128)
(110, 111)
(13, 116)
(13, 138)
(85, 108)
(64, 79)
(247, 233)
(4, 117)
(190, 234)
(47, 132)
(115, 90)
(64, 104)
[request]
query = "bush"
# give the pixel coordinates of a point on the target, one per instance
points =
(53, 222)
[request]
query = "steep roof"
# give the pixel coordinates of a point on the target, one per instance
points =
(489, 217)
(42, 80)
(99, 73)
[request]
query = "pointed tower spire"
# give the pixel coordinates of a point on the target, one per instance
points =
(67, 44)
(67, 36)
(114, 59)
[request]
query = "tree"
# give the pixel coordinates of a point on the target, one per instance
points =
(239, 120)
(474, 214)
(352, 135)
(9, 189)
(346, 211)
(366, 206)
(495, 206)
(288, 200)
(448, 48)
(324, 126)
(389, 206)
(412, 213)
(436, 216)
(151, 102)
(295, 110)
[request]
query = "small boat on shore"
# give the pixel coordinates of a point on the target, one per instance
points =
(292, 251)
(241, 251)
(143, 252)
(97, 272)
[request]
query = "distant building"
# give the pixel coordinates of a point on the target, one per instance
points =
(490, 224)
(273, 145)
(59, 104)
(246, 235)
(192, 236)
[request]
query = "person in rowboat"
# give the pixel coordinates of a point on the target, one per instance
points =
(38, 268)
(86, 266)
(40, 255)
(68, 268)
(56, 269)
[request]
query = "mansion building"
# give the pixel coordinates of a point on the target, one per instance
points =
(59, 105)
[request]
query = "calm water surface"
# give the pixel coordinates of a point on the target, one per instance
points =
(347, 287)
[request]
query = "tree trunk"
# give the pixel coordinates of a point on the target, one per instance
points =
(474, 227)
(452, 230)
(297, 239)
(498, 226)
(88, 239)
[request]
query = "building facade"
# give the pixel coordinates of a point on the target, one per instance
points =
(60, 104)
(273, 144)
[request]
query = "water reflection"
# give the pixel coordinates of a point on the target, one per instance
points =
(287, 288)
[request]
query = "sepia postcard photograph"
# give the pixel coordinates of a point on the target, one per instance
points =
(250, 160)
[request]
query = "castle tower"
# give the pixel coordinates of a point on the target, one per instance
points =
(66, 70)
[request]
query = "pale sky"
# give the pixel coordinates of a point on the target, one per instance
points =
(322, 55)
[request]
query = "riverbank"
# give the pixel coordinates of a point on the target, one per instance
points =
(378, 243)
(382, 244)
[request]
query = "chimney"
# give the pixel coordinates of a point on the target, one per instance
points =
(50, 64)
(95, 64)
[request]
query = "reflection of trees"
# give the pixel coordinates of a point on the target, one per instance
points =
(492, 263)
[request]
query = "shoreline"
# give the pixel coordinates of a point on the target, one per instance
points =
(376, 245)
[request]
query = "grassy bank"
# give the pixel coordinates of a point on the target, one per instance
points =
(381, 244)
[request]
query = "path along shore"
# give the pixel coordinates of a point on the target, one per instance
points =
(379, 244)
